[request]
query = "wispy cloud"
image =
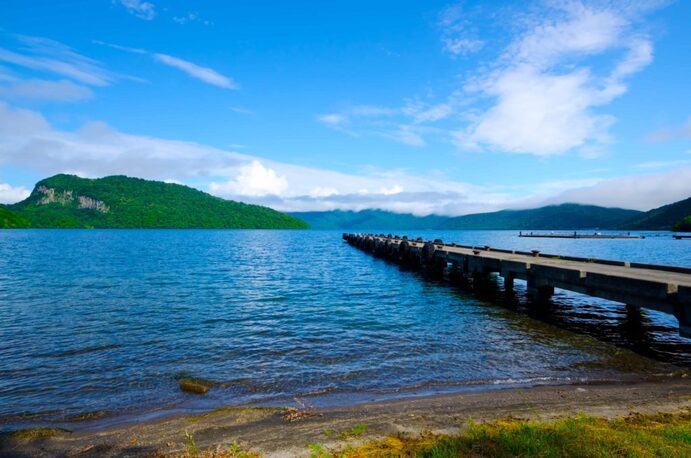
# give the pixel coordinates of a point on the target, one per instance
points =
(671, 133)
(53, 57)
(459, 37)
(204, 74)
(663, 164)
(46, 90)
(120, 48)
(191, 16)
(138, 8)
(242, 111)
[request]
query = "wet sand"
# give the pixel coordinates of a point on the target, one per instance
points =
(268, 431)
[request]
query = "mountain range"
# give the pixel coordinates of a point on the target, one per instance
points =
(552, 217)
(68, 201)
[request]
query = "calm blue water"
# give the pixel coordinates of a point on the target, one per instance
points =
(104, 321)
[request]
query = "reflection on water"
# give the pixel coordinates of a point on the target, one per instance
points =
(102, 322)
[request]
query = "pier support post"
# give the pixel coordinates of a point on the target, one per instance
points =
(538, 290)
(508, 283)
(456, 276)
(683, 314)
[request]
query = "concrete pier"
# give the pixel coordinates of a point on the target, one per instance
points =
(658, 287)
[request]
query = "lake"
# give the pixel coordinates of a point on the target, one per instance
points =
(103, 322)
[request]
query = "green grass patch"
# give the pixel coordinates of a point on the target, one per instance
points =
(356, 431)
(662, 435)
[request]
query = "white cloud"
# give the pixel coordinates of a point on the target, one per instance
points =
(29, 142)
(462, 46)
(538, 113)
(640, 192)
(544, 95)
(10, 195)
(204, 74)
(254, 179)
(333, 119)
(395, 189)
(44, 90)
(140, 9)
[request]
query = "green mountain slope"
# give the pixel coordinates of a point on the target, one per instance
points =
(9, 219)
(123, 202)
(663, 217)
(368, 219)
(553, 217)
(565, 216)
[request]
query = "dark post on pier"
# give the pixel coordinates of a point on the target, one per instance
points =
(658, 287)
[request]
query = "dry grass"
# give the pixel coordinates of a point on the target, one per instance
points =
(304, 410)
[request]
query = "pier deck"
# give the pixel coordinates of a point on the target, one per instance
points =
(663, 288)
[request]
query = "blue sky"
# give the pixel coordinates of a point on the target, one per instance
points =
(424, 107)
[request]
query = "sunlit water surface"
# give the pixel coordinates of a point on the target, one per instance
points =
(101, 323)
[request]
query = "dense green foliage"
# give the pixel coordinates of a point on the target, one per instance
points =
(565, 216)
(664, 217)
(11, 220)
(135, 203)
(683, 225)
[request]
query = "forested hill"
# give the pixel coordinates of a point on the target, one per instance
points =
(666, 217)
(552, 217)
(369, 219)
(124, 202)
(565, 216)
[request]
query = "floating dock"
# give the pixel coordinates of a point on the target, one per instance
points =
(575, 235)
(658, 287)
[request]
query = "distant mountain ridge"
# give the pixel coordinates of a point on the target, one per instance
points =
(553, 217)
(124, 202)
(664, 217)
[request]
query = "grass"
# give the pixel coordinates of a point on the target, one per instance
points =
(191, 450)
(661, 435)
(356, 431)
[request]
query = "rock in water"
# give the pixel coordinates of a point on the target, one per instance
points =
(194, 386)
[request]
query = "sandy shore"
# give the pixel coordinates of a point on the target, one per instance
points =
(268, 432)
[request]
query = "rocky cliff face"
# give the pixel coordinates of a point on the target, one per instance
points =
(50, 195)
(93, 204)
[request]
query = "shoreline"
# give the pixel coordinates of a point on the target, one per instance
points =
(268, 431)
(101, 420)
